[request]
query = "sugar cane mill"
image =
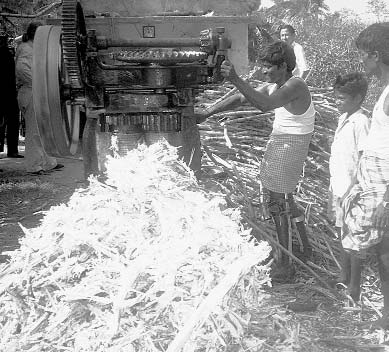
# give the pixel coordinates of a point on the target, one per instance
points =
(141, 259)
(93, 79)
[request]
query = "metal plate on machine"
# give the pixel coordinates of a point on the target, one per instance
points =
(163, 121)
(121, 102)
(148, 31)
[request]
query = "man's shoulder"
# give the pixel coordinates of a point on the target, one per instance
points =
(297, 82)
(360, 117)
(297, 88)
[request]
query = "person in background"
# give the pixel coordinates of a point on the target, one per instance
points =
(366, 207)
(288, 35)
(346, 150)
(9, 111)
(288, 144)
(36, 159)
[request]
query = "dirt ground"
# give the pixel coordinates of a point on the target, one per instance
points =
(24, 197)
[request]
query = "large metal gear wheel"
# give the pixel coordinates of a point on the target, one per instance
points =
(73, 41)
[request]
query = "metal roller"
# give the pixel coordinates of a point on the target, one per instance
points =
(73, 116)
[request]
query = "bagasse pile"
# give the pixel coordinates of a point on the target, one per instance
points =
(146, 261)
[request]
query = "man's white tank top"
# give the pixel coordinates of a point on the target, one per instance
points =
(377, 142)
(287, 123)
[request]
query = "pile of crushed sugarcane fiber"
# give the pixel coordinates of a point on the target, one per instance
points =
(146, 261)
(234, 142)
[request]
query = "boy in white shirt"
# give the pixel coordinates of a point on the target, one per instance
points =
(346, 150)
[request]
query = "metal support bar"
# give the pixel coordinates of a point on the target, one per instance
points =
(104, 42)
(108, 67)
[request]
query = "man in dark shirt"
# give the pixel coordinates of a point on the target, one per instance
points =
(9, 111)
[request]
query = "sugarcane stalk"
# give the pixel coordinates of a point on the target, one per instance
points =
(234, 273)
(287, 252)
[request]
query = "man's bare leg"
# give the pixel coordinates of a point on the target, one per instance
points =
(345, 261)
(382, 250)
(277, 207)
(354, 287)
(298, 218)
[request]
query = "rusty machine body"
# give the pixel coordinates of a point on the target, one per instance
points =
(128, 89)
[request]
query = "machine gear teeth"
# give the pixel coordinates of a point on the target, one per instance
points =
(73, 37)
(161, 55)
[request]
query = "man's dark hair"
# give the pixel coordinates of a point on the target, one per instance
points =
(375, 38)
(30, 32)
(279, 52)
(288, 27)
(354, 84)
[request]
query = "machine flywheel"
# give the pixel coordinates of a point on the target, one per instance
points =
(57, 115)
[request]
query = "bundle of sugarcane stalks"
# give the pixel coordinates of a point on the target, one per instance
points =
(234, 142)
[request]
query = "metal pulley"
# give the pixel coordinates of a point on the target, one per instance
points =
(57, 114)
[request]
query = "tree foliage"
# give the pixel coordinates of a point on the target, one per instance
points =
(297, 9)
(329, 54)
(24, 6)
(379, 8)
(15, 26)
(328, 40)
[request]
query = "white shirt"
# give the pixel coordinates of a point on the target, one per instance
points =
(301, 62)
(349, 140)
(377, 143)
(287, 123)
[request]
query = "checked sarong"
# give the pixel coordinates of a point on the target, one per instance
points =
(358, 233)
(283, 161)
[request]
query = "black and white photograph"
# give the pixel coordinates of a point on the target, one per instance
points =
(194, 175)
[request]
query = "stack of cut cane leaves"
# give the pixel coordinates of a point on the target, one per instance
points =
(234, 142)
(146, 261)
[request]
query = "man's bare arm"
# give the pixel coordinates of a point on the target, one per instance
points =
(226, 104)
(229, 103)
(263, 101)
